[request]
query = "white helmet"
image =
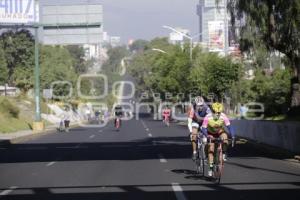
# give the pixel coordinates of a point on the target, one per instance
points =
(195, 125)
(199, 101)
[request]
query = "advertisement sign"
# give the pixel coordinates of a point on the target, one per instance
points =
(19, 11)
(48, 93)
(216, 35)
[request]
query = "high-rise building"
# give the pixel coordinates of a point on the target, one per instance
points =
(213, 24)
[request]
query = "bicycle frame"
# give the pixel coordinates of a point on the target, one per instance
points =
(218, 163)
(166, 120)
(200, 161)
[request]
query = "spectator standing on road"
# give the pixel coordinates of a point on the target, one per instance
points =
(243, 111)
(67, 118)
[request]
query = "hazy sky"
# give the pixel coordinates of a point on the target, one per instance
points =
(143, 19)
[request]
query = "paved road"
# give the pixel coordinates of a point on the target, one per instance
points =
(144, 160)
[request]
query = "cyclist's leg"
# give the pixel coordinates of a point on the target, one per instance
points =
(194, 138)
(211, 150)
(224, 137)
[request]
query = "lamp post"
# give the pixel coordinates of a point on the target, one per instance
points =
(188, 37)
(159, 50)
(36, 76)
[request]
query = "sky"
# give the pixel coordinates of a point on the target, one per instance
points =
(143, 19)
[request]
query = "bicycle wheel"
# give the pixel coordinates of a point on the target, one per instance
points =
(198, 166)
(218, 166)
(202, 158)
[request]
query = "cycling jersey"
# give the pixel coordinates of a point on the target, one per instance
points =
(167, 112)
(198, 115)
(216, 126)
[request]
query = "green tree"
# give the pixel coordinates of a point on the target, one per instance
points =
(19, 53)
(138, 45)
(77, 53)
(272, 90)
(276, 24)
(3, 67)
(57, 65)
(214, 74)
(115, 56)
(161, 71)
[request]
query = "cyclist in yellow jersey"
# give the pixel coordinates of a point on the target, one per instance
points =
(213, 126)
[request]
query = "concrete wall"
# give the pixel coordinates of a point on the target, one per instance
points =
(285, 135)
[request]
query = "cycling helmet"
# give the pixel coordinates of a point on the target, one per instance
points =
(217, 107)
(195, 125)
(199, 101)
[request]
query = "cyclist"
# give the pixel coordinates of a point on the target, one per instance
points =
(118, 114)
(66, 116)
(166, 115)
(213, 126)
(198, 110)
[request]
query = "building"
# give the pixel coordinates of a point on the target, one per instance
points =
(111, 41)
(76, 22)
(6, 90)
(115, 41)
(214, 24)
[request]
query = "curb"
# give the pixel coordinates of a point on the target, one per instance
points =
(32, 135)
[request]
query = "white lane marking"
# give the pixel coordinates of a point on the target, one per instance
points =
(178, 191)
(150, 135)
(162, 159)
(147, 129)
(100, 131)
(92, 136)
(51, 163)
(6, 192)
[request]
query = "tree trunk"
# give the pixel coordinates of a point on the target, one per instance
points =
(295, 100)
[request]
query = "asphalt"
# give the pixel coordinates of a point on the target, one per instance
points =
(144, 160)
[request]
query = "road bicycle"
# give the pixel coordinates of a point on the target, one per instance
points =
(218, 162)
(166, 120)
(201, 156)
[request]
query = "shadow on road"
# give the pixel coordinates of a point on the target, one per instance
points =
(145, 192)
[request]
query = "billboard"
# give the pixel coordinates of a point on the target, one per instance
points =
(68, 23)
(19, 11)
(216, 35)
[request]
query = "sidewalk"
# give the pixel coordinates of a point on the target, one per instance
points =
(9, 138)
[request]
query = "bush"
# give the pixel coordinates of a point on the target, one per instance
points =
(9, 109)
(271, 90)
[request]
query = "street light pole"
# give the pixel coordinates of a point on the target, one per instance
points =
(184, 35)
(37, 77)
